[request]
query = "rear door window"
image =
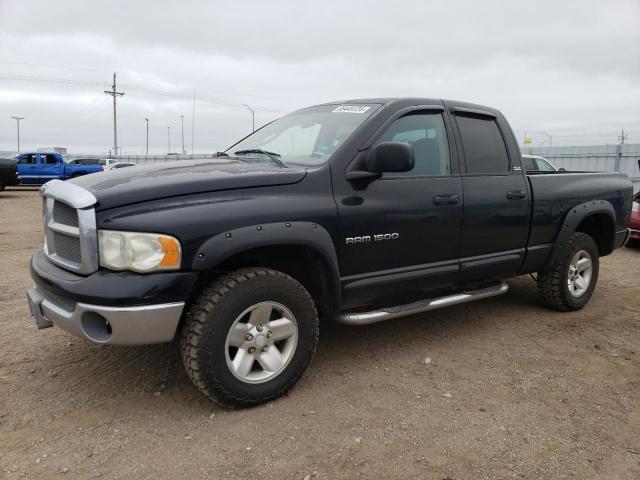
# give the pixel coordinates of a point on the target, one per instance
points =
(484, 149)
(48, 158)
(529, 164)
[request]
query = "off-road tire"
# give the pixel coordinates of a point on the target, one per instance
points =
(212, 314)
(553, 288)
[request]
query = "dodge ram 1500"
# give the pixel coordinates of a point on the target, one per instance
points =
(360, 211)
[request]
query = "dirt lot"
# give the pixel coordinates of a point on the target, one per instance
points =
(511, 390)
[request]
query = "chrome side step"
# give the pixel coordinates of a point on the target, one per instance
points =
(374, 316)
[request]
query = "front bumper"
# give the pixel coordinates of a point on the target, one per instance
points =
(119, 308)
(115, 325)
(634, 234)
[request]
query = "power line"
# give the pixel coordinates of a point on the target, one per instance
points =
(29, 78)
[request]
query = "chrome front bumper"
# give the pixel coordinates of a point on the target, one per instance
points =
(137, 325)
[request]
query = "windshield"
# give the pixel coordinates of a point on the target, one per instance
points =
(306, 137)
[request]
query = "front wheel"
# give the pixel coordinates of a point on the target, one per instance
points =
(569, 283)
(249, 336)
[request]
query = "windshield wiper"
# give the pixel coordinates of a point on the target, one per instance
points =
(274, 157)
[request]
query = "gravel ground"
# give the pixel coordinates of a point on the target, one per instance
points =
(501, 388)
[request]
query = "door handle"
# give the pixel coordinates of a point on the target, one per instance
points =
(450, 199)
(516, 194)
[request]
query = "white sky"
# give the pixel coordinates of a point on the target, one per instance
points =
(568, 68)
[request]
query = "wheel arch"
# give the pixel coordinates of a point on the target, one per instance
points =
(303, 250)
(596, 218)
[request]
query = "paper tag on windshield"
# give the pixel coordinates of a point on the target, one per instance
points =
(351, 109)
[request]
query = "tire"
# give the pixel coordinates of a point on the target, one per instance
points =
(1, 186)
(556, 288)
(239, 300)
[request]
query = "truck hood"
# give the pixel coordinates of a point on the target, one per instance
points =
(142, 183)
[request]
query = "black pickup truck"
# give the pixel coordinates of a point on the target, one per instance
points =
(360, 211)
(8, 173)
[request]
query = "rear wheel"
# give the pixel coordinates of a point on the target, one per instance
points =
(249, 336)
(569, 283)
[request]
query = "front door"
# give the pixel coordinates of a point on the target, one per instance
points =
(404, 228)
(28, 169)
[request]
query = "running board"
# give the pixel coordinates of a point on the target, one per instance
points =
(374, 316)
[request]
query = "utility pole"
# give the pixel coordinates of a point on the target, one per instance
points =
(182, 126)
(114, 93)
(147, 149)
(193, 120)
(169, 139)
(18, 123)
(621, 138)
(253, 117)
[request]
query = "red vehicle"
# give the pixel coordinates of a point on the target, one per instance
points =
(634, 224)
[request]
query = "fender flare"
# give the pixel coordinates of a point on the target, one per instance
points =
(574, 217)
(226, 244)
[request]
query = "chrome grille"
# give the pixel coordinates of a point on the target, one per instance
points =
(70, 226)
(67, 247)
(64, 214)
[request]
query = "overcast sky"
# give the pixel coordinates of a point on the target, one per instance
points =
(567, 68)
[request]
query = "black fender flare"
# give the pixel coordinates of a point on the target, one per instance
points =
(574, 217)
(226, 244)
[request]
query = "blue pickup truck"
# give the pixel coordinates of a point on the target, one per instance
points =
(36, 168)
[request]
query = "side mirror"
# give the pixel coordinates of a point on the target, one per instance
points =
(384, 157)
(391, 157)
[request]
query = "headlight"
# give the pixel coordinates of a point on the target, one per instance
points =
(636, 207)
(140, 252)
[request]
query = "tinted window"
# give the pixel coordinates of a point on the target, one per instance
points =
(426, 133)
(484, 148)
(528, 164)
(48, 158)
(27, 159)
(544, 165)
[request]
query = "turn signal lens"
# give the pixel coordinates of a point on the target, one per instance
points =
(139, 252)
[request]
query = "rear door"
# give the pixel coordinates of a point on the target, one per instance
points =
(496, 197)
(50, 167)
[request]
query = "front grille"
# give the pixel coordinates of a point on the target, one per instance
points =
(70, 227)
(64, 214)
(67, 247)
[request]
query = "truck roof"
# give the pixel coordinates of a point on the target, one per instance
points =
(414, 101)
